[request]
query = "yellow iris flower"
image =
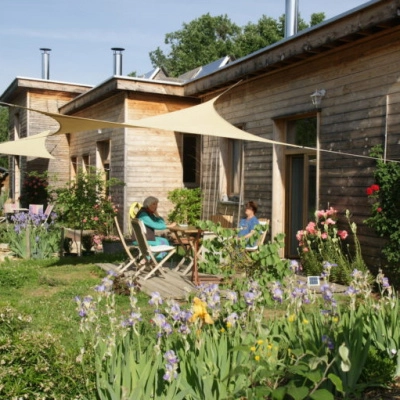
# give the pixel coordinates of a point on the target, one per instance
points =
(199, 309)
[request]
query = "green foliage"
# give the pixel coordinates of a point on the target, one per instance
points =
(200, 41)
(30, 237)
(187, 205)
(34, 362)
(225, 254)
(208, 38)
(379, 368)
(226, 350)
(84, 204)
(385, 209)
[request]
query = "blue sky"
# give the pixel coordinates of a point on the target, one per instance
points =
(81, 33)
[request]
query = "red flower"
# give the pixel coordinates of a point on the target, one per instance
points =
(379, 209)
(369, 191)
(375, 188)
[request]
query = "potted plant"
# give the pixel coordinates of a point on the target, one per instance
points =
(83, 204)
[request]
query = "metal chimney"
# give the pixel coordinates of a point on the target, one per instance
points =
(292, 12)
(45, 63)
(117, 60)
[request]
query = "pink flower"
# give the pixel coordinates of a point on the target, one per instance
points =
(331, 211)
(330, 221)
(299, 235)
(310, 228)
(320, 214)
(343, 234)
(324, 235)
(305, 249)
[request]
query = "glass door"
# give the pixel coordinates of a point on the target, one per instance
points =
(301, 180)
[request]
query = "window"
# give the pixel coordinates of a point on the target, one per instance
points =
(191, 160)
(103, 155)
(231, 155)
(85, 163)
(73, 167)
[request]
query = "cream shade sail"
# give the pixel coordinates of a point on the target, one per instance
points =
(32, 146)
(201, 119)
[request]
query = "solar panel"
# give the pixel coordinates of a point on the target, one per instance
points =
(313, 281)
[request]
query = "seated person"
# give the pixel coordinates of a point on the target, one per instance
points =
(151, 219)
(246, 225)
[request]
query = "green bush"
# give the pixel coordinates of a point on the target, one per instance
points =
(385, 209)
(187, 205)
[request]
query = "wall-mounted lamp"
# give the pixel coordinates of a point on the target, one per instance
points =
(317, 96)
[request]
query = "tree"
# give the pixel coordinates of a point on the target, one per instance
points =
(198, 43)
(208, 38)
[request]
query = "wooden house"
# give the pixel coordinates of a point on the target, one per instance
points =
(351, 62)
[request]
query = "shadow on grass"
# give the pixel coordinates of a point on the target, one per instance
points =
(89, 259)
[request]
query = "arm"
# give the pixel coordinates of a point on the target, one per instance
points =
(252, 223)
(154, 222)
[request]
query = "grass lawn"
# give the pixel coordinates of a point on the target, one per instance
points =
(45, 290)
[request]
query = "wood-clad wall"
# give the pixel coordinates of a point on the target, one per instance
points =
(153, 163)
(57, 145)
(359, 80)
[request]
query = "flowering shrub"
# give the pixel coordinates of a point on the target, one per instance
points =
(322, 242)
(83, 203)
(34, 189)
(219, 346)
(31, 237)
(385, 210)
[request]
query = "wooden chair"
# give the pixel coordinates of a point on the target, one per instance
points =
(47, 213)
(147, 258)
(261, 239)
(226, 221)
(132, 259)
(36, 209)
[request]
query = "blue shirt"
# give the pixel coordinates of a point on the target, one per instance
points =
(247, 225)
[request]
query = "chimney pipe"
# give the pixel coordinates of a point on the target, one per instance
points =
(45, 63)
(117, 60)
(292, 12)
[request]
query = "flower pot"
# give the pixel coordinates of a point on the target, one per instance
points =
(112, 247)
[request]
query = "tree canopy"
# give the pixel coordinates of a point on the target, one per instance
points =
(209, 38)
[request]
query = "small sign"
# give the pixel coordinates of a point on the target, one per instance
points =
(313, 281)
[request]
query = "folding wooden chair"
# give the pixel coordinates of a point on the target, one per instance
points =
(47, 213)
(147, 259)
(36, 209)
(226, 221)
(132, 259)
